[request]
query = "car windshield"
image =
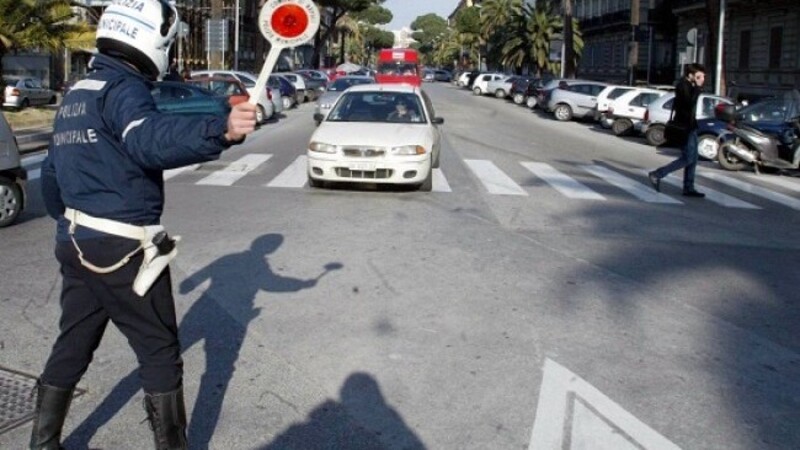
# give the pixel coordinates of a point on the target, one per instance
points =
(397, 68)
(247, 81)
(381, 107)
(220, 87)
(343, 83)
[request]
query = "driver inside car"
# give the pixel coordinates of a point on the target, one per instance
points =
(403, 113)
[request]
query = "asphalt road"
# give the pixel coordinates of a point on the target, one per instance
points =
(496, 312)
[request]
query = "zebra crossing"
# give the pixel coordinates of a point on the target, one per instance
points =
(500, 180)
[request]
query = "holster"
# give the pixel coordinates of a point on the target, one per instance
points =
(158, 247)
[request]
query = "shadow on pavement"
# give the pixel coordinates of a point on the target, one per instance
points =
(235, 280)
(360, 420)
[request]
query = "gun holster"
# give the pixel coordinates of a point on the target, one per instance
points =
(159, 249)
(154, 242)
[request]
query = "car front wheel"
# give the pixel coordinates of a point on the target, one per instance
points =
(622, 127)
(707, 147)
(287, 102)
(655, 135)
(476, 91)
(531, 102)
(500, 93)
(519, 99)
(563, 112)
(10, 201)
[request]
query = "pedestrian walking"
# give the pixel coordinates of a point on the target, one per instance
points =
(687, 91)
(102, 181)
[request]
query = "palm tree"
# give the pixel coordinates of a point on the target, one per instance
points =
(43, 24)
(542, 28)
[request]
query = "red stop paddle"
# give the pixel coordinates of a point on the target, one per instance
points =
(285, 23)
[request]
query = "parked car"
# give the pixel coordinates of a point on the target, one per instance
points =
(176, 97)
(659, 111)
(501, 86)
(301, 91)
(315, 82)
(249, 81)
(12, 176)
(326, 101)
(286, 88)
(574, 99)
(428, 75)
(628, 110)
(604, 99)
(21, 92)
(537, 93)
(442, 75)
(480, 85)
(236, 93)
(518, 88)
(362, 141)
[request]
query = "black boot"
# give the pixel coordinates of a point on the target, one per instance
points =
(167, 416)
(52, 404)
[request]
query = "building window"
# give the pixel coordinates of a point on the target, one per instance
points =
(744, 49)
(775, 47)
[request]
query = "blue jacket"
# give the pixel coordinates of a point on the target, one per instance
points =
(110, 146)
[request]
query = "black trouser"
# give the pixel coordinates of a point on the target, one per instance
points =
(89, 300)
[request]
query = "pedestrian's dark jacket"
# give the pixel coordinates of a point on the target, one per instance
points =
(110, 145)
(686, 95)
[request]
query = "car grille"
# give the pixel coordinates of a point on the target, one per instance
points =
(364, 152)
(378, 174)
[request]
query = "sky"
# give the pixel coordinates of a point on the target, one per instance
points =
(405, 11)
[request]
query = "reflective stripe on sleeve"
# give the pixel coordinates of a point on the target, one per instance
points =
(89, 85)
(131, 126)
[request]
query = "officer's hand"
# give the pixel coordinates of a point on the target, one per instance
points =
(241, 121)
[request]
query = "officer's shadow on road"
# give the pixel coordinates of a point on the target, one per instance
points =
(235, 281)
(361, 419)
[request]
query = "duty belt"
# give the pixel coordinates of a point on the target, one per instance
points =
(159, 249)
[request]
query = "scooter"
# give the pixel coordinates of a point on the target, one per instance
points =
(742, 145)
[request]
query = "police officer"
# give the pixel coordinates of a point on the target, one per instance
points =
(103, 182)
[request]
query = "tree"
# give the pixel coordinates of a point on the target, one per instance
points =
(429, 30)
(337, 10)
(542, 28)
(468, 26)
(44, 24)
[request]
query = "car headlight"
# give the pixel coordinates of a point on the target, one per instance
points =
(322, 147)
(408, 150)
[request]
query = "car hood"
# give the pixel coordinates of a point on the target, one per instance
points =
(374, 134)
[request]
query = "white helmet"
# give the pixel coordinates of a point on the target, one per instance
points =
(139, 32)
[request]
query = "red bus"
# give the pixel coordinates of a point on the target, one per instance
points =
(399, 65)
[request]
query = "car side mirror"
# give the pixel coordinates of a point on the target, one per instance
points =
(438, 120)
(319, 117)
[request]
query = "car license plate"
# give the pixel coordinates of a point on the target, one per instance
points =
(361, 166)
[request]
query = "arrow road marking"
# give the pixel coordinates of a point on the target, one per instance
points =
(573, 414)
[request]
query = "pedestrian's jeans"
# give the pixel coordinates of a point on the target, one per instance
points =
(89, 300)
(687, 161)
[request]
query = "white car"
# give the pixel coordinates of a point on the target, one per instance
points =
(658, 114)
(299, 83)
(377, 133)
(627, 111)
(269, 102)
(481, 84)
(21, 92)
(500, 87)
(604, 99)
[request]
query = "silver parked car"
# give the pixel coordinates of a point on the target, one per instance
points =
(334, 90)
(658, 114)
(12, 176)
(21, 92)
(573, 99)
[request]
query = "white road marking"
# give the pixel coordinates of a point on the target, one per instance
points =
(778, 181)
(495, 181)
(561, 182)
(235, 170)
(440, 183)
(753, 189)
(171, 173)
(573, 414)
(294, 176)
(638, 190)
(712, 195)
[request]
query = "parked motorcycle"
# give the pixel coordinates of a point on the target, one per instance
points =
(742, 145)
